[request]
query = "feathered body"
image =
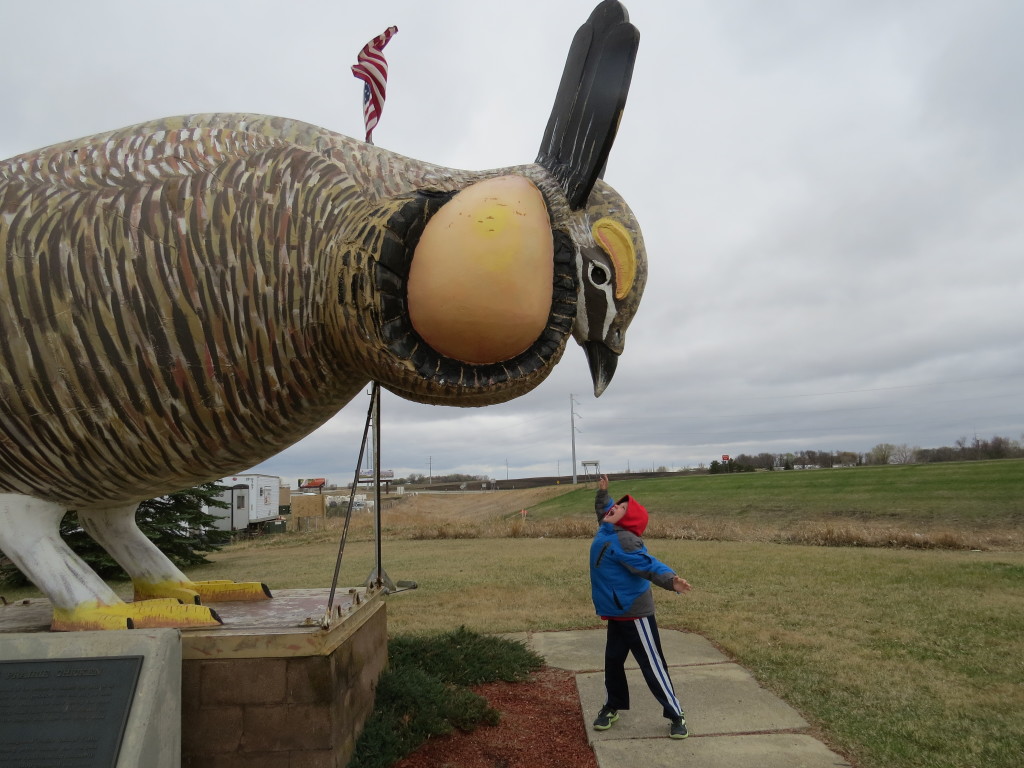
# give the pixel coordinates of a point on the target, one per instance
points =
(184, 298)
(187, 297)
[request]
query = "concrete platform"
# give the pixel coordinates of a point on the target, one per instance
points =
(292, 614)
(286, 626)
(269, 687)
(733, 722)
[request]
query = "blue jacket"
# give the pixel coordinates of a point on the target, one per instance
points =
(621, 573)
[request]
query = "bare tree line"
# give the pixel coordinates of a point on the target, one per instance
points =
(964, 449)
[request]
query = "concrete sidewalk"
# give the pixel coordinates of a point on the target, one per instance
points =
(733, 722)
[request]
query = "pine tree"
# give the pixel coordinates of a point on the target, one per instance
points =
(176, 523)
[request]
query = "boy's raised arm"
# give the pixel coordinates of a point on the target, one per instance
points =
(601, 499)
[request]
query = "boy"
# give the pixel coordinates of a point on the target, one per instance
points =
(621, 573)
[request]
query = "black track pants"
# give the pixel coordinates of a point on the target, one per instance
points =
(639, 637)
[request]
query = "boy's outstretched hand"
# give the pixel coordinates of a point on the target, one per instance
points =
(680, 584)
(602, 483)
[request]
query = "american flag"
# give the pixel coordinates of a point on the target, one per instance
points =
(372, 68)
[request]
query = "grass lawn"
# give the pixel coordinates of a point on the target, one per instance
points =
(982, 493)
(967, 505)
(900, 657)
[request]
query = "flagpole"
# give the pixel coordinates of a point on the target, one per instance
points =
(372, 68)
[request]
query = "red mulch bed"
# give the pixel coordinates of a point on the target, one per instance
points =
(541, 727)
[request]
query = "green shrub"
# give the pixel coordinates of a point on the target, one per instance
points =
(463, 657)
(422, 693)
(412, 706)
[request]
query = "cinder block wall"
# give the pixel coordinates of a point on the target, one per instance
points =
(295, 712)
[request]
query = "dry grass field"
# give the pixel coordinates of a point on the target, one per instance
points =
(977, 505)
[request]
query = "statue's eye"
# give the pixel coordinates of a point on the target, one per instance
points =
(599, 275)
(616, 241)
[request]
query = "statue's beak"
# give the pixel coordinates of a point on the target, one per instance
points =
(602, 363)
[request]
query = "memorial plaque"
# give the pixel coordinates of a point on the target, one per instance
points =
(65, 713)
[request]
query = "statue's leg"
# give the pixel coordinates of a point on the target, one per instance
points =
(30, 536)
(153, 574)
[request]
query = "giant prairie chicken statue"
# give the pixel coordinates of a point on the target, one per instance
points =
(182, 299)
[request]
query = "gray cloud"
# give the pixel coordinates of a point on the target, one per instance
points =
(829, 194)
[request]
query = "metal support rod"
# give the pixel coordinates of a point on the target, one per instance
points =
(348, 514)
(376, 479)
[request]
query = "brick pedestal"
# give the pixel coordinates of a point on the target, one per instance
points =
(274, 695)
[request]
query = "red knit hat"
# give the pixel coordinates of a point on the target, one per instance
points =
(635, 519)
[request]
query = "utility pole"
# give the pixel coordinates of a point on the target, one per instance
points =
(430, 470)
(572, 422)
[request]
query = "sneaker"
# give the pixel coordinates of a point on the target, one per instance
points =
(678, 729)
(605, 718)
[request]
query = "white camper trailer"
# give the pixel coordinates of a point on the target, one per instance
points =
(250, 499)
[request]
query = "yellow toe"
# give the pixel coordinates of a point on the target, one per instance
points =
(178, 590)
(149, 614)
(231, 591)
(199, 592)
(146, 614)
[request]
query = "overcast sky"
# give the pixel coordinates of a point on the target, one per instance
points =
(830, 193)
